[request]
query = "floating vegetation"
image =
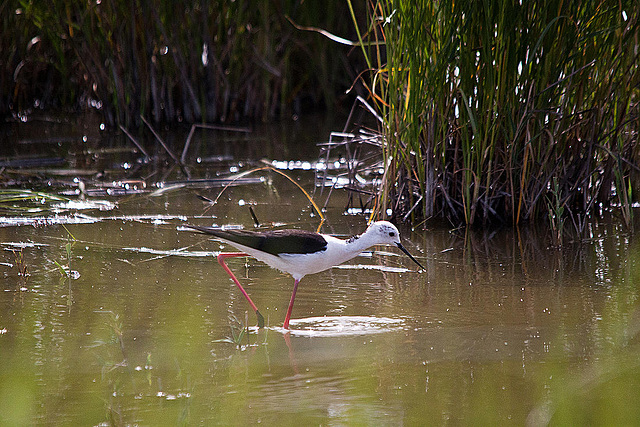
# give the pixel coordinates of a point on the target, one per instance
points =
(101, 205)
(41, 221)
(169, 186)
(22, 245)
(29, 204)
(38, 221)
(34, 202)
(173, 252)
(383, 268)
(31, 162)
(27, 201)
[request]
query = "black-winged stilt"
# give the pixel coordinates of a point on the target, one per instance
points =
(299, 252)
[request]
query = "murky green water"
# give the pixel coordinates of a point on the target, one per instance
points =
(500, 329)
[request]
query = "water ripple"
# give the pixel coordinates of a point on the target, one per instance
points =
(341, 326)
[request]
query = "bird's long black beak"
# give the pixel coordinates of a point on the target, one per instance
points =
(406, 252)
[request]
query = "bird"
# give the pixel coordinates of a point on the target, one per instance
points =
(299, 252)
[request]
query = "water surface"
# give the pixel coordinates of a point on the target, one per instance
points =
(148, 329)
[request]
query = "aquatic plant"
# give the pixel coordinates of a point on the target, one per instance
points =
(239, 330)
(115, 371)
(22, 267)
(492, 109)
(66, 272)
(19, 201)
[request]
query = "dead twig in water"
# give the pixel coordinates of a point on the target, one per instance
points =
(166, 147)
(135, 142)
(187, 143)
(253, 215)
(224, 128)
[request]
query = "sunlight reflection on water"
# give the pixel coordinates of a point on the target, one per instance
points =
(341, 326)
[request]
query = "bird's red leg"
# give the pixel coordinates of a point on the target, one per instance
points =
(221, 258)
(293, 297)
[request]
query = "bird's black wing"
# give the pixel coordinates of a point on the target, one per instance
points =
(274, 242)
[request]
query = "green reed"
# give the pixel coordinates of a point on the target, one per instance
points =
(492, 108)
(168, 61)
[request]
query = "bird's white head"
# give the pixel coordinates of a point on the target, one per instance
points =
(383, 233)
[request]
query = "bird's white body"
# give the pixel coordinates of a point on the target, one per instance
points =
(337, 251)
(299, 265)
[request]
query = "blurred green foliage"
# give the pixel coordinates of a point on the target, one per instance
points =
(171, 60)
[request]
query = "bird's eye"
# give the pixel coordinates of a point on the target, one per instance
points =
(391, 234)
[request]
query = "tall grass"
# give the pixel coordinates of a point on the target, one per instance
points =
(505, 111)
(169, 61)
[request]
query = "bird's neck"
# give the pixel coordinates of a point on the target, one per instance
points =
(359, 243)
